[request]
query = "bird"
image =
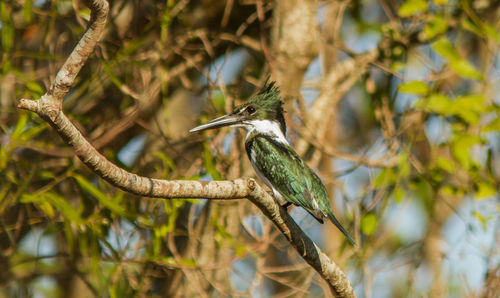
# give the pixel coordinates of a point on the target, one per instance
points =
(274, 160)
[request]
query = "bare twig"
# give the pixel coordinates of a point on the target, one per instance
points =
(49, 107)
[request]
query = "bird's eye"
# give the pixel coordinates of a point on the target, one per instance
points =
(250, 110)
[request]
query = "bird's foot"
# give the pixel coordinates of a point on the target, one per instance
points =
(282, 203)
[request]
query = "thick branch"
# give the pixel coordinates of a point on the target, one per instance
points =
(49, 107)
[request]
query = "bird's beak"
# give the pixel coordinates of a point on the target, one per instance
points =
(227, 120)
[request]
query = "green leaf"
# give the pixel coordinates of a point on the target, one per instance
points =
(4, 157)
(447, 190)
(441, 2)
(437, 25)
(483, 30)
(436, 103)
(460, 149)
(35, 88)
(188, 262)
(240, 250)
(32, 132)
(369, 224)
(7, 29)
(445, 164)
(461, 66)
(398, 194)
(397, 66)
(84, 14)
(218, 100)
(414, 87)
(467, 107)
(481, 219)
(491, 32)
(444, 48)
(468, 25)
(40, 201)
(424, 190)
(465, 69)
(49, 201)
(110, 72)
(412, 7)
(493, 125)
(404, 168)
(484, 190)
(385, 177)
(20, 125)
(28, 10)
(61, 205)
(208, 162)
(109, 203)
(471, 102)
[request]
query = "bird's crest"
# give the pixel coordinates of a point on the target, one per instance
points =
(268, 104)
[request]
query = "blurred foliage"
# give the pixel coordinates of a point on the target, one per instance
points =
(429, 103)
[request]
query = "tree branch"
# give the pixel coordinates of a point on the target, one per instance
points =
(49, 107)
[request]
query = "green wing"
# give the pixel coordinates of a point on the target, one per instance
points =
(289, 175)
(292, 178)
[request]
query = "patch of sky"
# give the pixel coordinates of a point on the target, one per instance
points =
(356, 278)
(199, 207)
(374, 150)
(468, 241)
(37, 243)
(314, 70)
(129, 153)
(371, 12)
(314, 290)
(355, 106)
(254, 224)
(309, 94)
(226, 67)
(243, 273)
(228, 141)
(123, 238)
(44, 286)
(308, 223)
(353, 181)
(313, 73)
(39, 3)
(419, 65)
(321, 14)
(433, 59)
(494, 78)
(358, 38)
(438, 130)
(394, 272)
(422, 279)
(407, 219)
(381, 278)
(493, 140)
(496, 92)
(479, 154)
(402, 101)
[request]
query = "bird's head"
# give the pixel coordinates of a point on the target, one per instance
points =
(263, 107)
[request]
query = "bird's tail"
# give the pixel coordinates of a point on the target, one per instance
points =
(334, 220)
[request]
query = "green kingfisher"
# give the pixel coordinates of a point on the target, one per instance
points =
(275, 161)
